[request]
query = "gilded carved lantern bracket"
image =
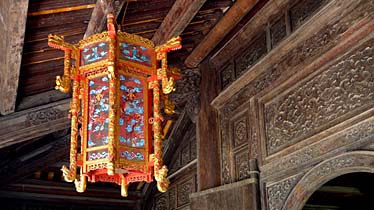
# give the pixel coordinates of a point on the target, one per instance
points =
(117, 87)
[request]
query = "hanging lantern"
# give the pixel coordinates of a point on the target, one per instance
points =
(115, 107)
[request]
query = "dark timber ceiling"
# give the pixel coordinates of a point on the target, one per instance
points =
(30, 165)
(41, 64)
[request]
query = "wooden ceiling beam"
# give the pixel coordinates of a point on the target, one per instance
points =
(42, 5)
(32, 123)
(59, 10)
(63, 19)
(41, 99)
(37, 159)
(99, 13)
(179, 16)
(13, 15)
(219, 31)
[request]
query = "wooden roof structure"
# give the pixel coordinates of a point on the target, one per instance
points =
(34, 128)
(33, 116)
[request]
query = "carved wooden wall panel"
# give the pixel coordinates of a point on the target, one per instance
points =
(241, 164)
(250, 56)
(329, 169)
(183, 179)
(278, 192)
(278, 26)
(186, 152)
(177, 197)
(302, 10)
(162, 201)
(227, 74)
(173, 197)
(278, 30)
(308, 99)
(234, 152)
(184, 189)
(330, 96)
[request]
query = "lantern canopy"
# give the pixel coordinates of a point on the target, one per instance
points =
(118, 82)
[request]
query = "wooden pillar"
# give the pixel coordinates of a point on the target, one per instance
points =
(13, 16)
(208, 166)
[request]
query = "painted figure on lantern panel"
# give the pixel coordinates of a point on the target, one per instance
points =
(136, 53)
(93, 53)
(98, 110)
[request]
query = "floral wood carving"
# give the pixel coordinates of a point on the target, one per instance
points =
(359, 134)
(162, 202)
(357, 161)
(342, 88)
(226, 177)
(43, 116)
(242, 168)
(278, 192)
(250, 56)
(184, 190)
(305, 52)
(227, 75)
(240, 131)
(187, 87)
(333, 165)
(172, 198)
(303, 10)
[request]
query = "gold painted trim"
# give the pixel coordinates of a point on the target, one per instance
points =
(92, 67)
(101, 37)
(90, 149)
(135, 39)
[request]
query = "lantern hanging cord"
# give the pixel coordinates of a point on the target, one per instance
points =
(124, 13)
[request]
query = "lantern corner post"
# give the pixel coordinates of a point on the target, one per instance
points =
(160, 170)
(63, 85)
(113, 95)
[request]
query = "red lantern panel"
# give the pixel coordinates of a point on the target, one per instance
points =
(98, 111)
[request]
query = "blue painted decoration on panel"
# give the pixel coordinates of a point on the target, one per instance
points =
(98, 112)
(95, 52)
(131, 132)
(136, 53)
(132, 155)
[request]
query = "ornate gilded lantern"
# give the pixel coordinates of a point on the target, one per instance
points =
(115, 107)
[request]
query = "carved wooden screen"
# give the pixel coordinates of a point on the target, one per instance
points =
(183, 183)
(304, 98)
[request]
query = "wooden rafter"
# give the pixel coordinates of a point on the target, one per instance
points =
(26, 164)
(179, 16)
(220, 30)
(98, 17)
